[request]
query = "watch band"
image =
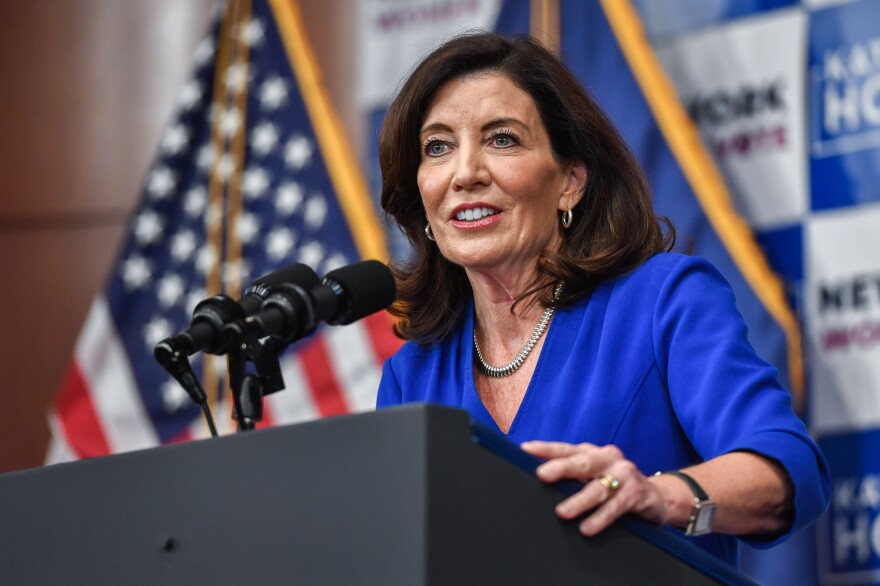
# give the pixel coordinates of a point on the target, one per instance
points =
(692, 484)
(700, 521)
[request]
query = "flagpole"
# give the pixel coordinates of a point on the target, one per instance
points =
(345, 175)
(544, 23)
(224, 207)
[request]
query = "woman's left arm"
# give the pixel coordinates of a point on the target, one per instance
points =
(762, 470)
(752, 494)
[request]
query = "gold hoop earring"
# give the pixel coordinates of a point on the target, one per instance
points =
(567, 218)
(428, 232)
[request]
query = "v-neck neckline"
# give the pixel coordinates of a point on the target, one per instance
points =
(471, 386)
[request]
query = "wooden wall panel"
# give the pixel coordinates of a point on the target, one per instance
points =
(88, 85)
(50, 276)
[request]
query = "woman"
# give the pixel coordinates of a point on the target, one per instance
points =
(541, 297)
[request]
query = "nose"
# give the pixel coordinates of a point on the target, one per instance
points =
(470, 169)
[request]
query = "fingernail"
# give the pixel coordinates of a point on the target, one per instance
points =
(563, 509)
(587, 528)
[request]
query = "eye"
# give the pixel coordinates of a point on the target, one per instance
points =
(503, 139)
(434, 147)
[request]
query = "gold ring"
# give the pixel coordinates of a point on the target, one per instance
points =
(610, 483)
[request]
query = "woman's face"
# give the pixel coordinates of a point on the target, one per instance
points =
(491, 187)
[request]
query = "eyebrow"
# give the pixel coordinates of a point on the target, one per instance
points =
(494, 123)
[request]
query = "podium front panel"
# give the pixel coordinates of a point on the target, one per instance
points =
(399, 496)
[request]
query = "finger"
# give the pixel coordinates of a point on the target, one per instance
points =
(550, 449)
(578, 466)
(587, 462)
(617, 501)
(606, 514)
(586, 499)
(616, 504)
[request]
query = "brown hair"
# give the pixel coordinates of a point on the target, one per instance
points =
(614, 230)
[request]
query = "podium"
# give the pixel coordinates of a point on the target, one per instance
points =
(416, 495)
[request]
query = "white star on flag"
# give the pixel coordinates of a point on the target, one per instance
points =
(264, 138)
(254, 183)
(289, 198)
(161, 182)
(174, 139)
(195, 201)
(247, 228)
(182, 245)
(136, 272)
(334, 262)
(147, 227)
(173, 396)
(311, 254)
(316, 211)
(156, 330)
(204, 51)
(236, 77)
(273, 93)
(230, 121)
(206, 157)
(206, 258)
(190, 95)
(252, 33)
(278, 243)
(170, 290)
(298, 152)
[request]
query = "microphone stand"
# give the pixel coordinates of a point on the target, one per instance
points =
(248, 389)
(236, 362)
(176, 362)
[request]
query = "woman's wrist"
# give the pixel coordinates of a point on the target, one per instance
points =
(677, 497)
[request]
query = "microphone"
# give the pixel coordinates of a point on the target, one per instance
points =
(210, 315)
(291, 312)
(357, 291)
(205, 331)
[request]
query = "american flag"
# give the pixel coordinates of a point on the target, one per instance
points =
(253, 173)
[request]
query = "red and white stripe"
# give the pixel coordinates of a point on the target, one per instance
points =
(99, 410)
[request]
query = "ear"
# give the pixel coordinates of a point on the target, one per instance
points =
(575, 184)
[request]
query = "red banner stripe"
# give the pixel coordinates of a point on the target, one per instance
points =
(326, 392)
(78, 417)
(382, 337)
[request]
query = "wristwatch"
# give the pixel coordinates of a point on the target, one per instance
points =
(700, 522)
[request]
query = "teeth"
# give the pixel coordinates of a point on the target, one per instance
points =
(474, 214)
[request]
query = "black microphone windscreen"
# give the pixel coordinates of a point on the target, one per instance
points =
(367, 286)
(296, 274)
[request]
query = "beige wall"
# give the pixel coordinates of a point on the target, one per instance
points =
(86, 88)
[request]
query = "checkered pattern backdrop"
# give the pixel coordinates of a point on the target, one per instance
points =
(787, 100)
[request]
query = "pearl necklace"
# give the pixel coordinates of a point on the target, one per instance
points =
(498, 372)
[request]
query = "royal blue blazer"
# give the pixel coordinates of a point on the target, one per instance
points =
(656, 362)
